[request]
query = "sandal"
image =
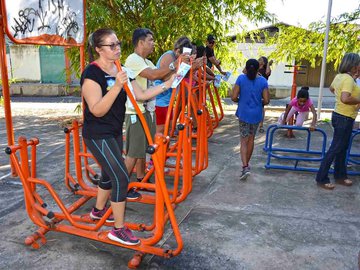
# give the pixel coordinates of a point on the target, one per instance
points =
(261, 130)
(327, 186)
(344, 182)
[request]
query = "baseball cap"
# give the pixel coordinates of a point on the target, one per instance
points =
(210, 38)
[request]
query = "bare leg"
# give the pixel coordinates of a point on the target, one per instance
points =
(130, 164)
(118, 209)
(244, 150)
(262, 119)
(140, 168)
(160, 129)
(101, 198)
(250, 148)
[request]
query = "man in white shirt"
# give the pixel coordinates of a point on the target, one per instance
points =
(145, 73)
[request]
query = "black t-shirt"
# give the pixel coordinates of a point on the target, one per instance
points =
(209, 53)
(111, 124)
(262, 72)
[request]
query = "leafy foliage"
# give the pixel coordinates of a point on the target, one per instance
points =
(13, 80)
(294, 43)
(170, 19)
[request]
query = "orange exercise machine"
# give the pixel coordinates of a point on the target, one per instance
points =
(82, 225)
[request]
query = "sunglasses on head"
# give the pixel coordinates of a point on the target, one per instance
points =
(112, 45)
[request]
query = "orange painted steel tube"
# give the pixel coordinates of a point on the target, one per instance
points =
(159, 172)
(5, 83)
(219, 103)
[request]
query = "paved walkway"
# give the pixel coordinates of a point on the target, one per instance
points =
(273, 220)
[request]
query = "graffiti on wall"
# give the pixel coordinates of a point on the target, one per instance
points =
(59, 20)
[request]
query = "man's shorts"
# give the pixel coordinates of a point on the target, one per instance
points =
(161, 113)
(136, 141)
(247, 129)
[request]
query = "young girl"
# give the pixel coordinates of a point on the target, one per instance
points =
(300, 104)
(251, 93)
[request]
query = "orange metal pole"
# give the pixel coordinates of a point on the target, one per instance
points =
(5, 87)
(219, 103)
(215, 119)
(82, 58)
(290, 133)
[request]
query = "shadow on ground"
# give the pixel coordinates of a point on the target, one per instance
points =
(273, 220)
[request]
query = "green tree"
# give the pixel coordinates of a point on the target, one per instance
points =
(170, 19)
(294, 43)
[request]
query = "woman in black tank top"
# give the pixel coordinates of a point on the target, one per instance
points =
(104, 112)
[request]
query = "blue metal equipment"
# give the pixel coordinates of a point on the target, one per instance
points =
(305, 155)
(353, 158)
(295, 154)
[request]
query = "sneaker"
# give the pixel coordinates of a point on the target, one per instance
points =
(133, 194)
(123, 236)
(245, 173)
(96, 215)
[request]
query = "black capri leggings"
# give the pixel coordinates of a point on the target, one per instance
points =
(114, 175)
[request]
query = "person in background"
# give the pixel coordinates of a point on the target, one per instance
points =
(347, 100)
(265, 71)
(301, 105)
(165, 60)
(210, 55)
(251, 93)
(104, 112)
(201, 53)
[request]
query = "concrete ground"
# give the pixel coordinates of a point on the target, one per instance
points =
(273, 220)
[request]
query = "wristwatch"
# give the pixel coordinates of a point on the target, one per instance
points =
(163, 87)
(172, 66)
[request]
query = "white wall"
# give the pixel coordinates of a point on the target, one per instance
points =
(255, 50)
(25, 61)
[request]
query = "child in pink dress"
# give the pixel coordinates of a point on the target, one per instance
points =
(300, 104)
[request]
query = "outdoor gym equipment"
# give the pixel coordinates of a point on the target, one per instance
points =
(82, 225)
(304, 154)
(20, 30)
(351, 157)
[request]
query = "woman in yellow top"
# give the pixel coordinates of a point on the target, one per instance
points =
(347, 95)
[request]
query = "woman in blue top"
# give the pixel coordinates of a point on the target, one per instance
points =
(251, 93)
(169, 58)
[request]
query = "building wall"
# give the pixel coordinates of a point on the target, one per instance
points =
(43, 64)
(255, 50)
(280, 79)
(52, 64)
(25, 62)
(312, 76)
